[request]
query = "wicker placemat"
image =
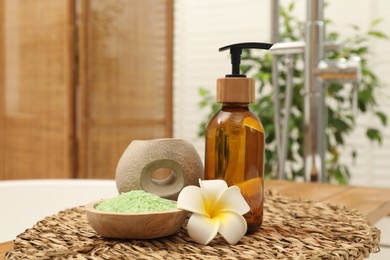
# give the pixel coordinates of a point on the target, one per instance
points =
(292, 228)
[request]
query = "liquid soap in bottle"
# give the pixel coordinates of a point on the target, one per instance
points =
(235, 137)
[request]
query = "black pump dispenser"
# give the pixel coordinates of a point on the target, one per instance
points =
(235, 52)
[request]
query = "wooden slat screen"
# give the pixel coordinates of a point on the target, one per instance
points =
(56, 124)
(125, 79)
(37, 130)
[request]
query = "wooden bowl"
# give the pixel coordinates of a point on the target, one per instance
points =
(135, 225)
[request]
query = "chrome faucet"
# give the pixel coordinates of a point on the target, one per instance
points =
(317, 71)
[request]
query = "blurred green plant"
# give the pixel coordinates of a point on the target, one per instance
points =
(341, 119)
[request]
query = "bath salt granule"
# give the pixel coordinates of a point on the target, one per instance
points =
(136, 201)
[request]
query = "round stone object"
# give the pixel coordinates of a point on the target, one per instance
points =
(160, 166)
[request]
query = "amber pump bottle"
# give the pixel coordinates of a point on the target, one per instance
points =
(235, 137)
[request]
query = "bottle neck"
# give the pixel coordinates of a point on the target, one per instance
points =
(243, 106)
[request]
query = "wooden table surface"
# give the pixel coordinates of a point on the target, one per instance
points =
(374, 203)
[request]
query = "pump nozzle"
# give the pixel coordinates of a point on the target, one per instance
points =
(235, 52)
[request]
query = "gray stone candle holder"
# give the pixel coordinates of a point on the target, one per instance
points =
(160, 166)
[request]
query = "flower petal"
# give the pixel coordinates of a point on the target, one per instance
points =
(212, 190)
(232, 226)
(232, 200)
(202, 229)
(191, 199)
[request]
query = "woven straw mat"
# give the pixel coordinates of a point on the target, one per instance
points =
(292, 228)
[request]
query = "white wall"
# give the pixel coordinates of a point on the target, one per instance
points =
(201, 27)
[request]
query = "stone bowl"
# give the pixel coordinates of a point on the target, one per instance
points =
(135, 225)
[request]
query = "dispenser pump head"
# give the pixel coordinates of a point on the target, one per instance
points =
(235, 53)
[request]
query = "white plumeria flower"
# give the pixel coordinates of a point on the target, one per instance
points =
(216, 208)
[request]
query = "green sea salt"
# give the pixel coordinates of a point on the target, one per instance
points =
(136, 201)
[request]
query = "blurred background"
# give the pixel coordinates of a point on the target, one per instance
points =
(81, 79)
